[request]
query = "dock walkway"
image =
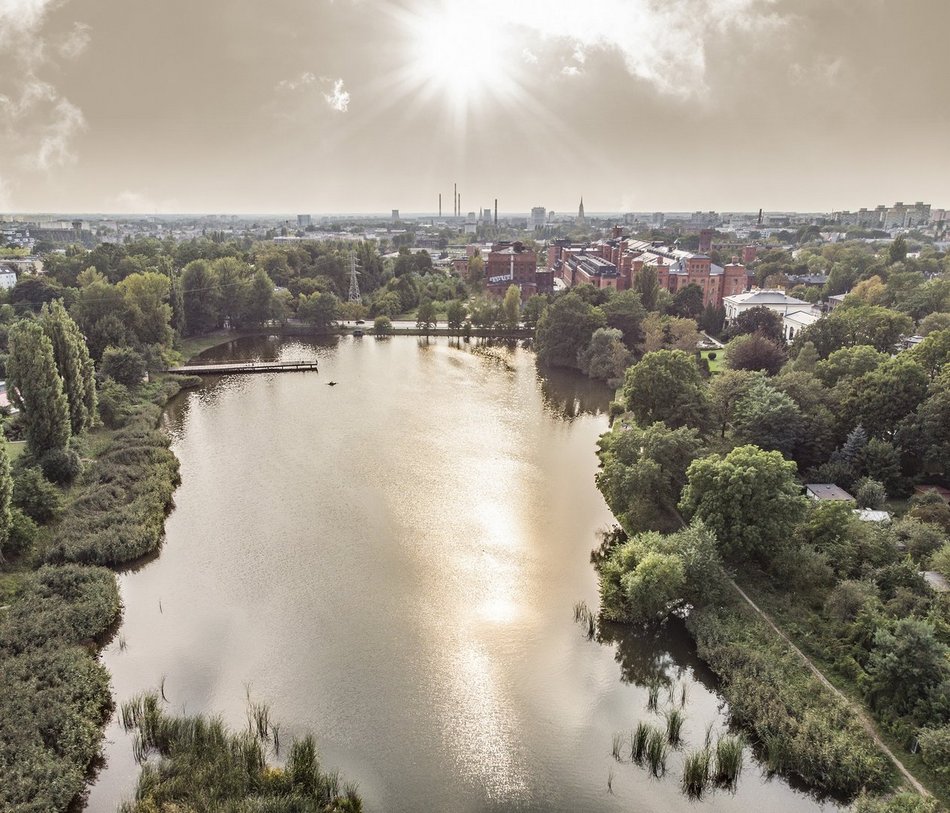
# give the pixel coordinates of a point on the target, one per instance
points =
(244, 368)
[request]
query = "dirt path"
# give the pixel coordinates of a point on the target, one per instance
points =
(859, 712)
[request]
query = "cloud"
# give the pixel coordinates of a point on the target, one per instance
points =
(76, 41)
(570, 70)
(662, 42)
(529, 56)
(54, 149)
(135, 202)
(338, 98)
(37, 123)
(304, 80)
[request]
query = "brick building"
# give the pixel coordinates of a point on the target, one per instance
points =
(617, 262)
(514, 264)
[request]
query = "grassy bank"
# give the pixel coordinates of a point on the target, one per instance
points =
(60, 606)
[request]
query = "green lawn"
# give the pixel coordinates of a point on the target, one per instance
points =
(15, 448)
(715, 364)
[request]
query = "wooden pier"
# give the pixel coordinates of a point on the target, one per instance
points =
(244, 368)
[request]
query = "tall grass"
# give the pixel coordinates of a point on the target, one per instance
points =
(657, 750)
(696, 772)
(587, 620)
(617, 745)
(728, 760)
(653, 696)
(197, 763)
(638, 742)
(674, 726)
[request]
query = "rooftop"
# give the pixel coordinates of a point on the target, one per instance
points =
(826, 491)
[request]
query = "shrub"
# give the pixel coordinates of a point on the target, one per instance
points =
(22, 534)
(61, 466)
(870, 494)
(382, 326)
(935, 748)
(849, 598)
(940, 561)
(36, 496)
(115, 403)
(711, 355)
(123, 364)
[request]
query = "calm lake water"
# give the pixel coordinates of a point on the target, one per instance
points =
(392, 563)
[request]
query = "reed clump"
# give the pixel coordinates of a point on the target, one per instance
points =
(674, 726)
(696, 770)
(638, 742)
(617, 745)
(728, 760)
(657, 750)
(197, 763)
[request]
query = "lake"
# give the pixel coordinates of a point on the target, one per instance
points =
(393, 564)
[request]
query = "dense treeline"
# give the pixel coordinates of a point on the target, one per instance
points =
(724, 441)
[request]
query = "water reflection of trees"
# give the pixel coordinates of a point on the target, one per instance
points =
(662, 653)
(569, 394)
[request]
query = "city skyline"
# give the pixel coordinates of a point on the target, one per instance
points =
(365, 106)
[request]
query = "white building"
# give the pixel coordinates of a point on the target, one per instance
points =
(777, 301)
(795, 322)
(7, 279)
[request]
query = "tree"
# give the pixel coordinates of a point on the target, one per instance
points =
(257, 299)
(760, 320)
(200, 295)
(511, 307)
(382, 326)
(533, 310)
(753, 351)
(870, 493)
(882, 398)
(37, 389)
(123, 364)
(669, 333)
(455, 314)
(625, 312)
(807, 359)
(148, 313)
(565, 329)
(769, 419)
(426, 316)
(712, 319)
(606, 357)
(906, 666)
(933, 353)
(6, 495)
(897, 251)
(725, 391)
(647, 286)
(643, 471)
(848, 362)
(749, 499)
(933, 322)
(688, 301)
(320, 310)
(73, 363)
(99, 312)
(666, 386)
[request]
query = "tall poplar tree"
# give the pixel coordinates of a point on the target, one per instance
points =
(37, 389)
(73, 363)
(6, 494)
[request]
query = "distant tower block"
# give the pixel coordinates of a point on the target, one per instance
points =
(354, 295)
(705, 240)
(395, 215)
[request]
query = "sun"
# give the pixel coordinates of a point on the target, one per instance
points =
(460, 55)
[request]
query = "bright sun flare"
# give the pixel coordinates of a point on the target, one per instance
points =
(457, 52)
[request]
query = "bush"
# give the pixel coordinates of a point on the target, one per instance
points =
(123, 364)
(935, 748)
(870, 494)
(712, 356)
(22, 535)
(904, 802)
(849, 598)
(120, 514)
(382, 326)
(36, 496)
(61, 466)
(115, 403)
(940, 561)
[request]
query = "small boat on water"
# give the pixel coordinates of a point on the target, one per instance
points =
(331, 383)
(358, 332)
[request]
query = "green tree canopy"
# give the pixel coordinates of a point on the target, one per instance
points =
(666, 386)
(749, 499)
(565, 329)
(37, 389)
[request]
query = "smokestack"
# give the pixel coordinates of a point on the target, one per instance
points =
(760, 217)
(496, 211)
(460, 204)
(440, 205)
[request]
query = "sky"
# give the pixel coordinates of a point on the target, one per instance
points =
(317, 106)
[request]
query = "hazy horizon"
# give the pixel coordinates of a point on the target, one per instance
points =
(363, 106)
